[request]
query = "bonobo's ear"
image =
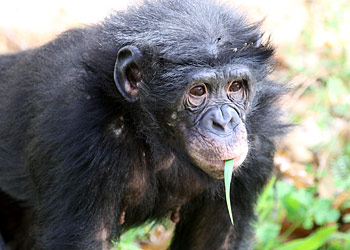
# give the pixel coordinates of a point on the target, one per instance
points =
(127, 74)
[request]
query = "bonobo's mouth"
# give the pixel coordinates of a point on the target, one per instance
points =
(215, 168)
(209, 152)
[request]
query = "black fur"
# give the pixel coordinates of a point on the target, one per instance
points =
(67, 173)
(2, 243)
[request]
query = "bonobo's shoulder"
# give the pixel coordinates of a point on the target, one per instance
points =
(45, 54)
(9, 60)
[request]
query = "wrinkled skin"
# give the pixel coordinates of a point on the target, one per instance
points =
(216, 130)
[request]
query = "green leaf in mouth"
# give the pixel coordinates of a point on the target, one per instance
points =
(228, 177)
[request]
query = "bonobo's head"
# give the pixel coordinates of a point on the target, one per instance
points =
(216, 102)
(194, 72)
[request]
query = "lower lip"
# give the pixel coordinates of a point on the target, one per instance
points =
(215, 163)
(220, 164)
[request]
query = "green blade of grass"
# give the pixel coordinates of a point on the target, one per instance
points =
(314, 241)
(228, 177)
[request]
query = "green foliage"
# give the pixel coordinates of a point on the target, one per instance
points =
(338, 241)
(300, 207)
(312, 242)
(128, 240)
(323, 213)
(327, 97)
(268, 233)
(346, 218)
(341, 168)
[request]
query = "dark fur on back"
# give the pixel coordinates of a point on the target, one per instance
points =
(68, 167)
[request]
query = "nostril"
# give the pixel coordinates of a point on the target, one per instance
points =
(219, 126)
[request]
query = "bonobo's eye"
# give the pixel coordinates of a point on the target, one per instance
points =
(198, 90)
(236, 89)
(235, 86)
(196, 95)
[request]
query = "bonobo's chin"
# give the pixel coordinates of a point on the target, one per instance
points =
(215, 168)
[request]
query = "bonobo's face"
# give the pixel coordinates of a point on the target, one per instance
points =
(216, 102)
(210, 116)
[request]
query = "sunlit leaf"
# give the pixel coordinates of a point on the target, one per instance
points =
(346, 218)
(312, 242)
(228, 177)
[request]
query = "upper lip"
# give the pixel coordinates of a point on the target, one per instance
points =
(215, 133)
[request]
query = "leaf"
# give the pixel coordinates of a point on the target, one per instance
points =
(267, 232)
(346, 218)
(228, 177)
(312, 242)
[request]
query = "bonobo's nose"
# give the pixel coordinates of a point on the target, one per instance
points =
(221, 119)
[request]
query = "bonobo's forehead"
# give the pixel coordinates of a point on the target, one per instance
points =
(225, 73)
(211, 46)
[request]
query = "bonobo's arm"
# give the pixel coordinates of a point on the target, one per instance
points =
(74, 174)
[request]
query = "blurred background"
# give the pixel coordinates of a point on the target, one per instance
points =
(306, 206)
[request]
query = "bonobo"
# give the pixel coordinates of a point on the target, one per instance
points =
(132, 119)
